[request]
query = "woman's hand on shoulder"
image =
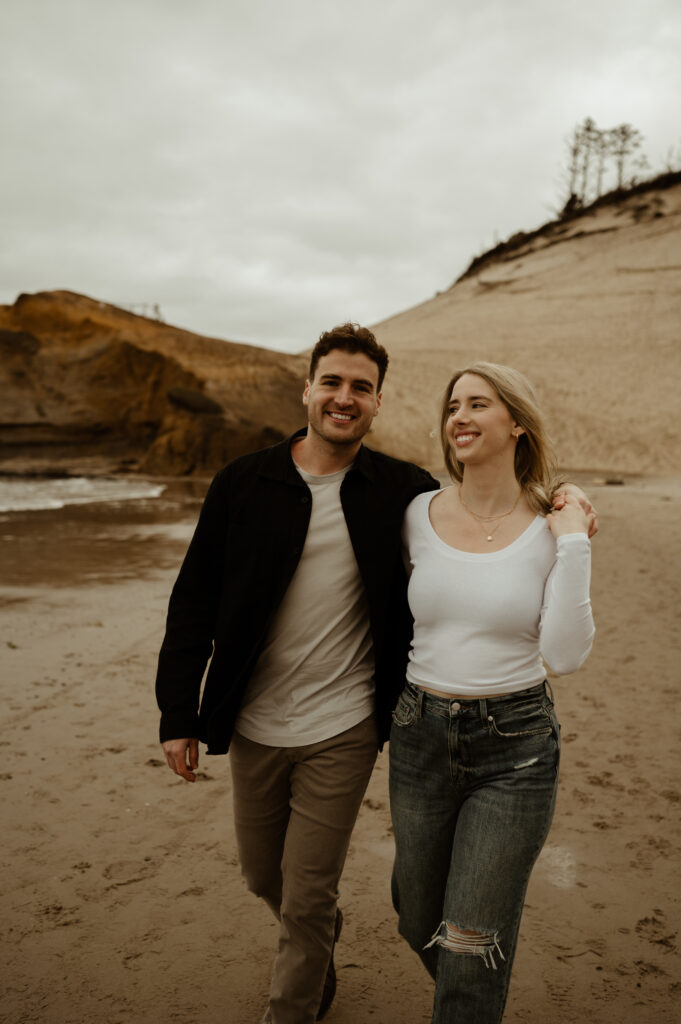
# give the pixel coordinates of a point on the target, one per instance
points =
(570, 517)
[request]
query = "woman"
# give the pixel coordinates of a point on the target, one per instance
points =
(474, 746)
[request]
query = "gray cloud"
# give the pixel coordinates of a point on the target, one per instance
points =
(262, 170)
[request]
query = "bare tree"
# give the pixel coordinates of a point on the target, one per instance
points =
(574, 144)
(590, 150)
(603, 143)
(625, 141)
(589, 133)
(579, 148)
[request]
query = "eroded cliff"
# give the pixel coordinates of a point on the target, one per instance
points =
(83, 383)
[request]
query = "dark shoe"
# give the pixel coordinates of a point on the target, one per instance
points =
(329, 990)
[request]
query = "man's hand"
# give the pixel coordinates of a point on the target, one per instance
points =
(571, 518)
(577, 492)
(182, 757)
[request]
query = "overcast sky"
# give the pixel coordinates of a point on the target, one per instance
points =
(263, 169)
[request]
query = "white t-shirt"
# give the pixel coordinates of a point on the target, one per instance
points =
(314, 676)
(484, 622)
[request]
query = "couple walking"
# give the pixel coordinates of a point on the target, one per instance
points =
(326, 638)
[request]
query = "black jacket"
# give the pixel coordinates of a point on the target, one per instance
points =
(241, 559)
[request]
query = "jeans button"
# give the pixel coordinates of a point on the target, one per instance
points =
(456, 706)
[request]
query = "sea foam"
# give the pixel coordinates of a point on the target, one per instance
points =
(36, 494)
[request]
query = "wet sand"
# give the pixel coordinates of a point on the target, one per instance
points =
(123, 902)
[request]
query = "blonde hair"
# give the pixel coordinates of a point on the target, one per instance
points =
(535, 461)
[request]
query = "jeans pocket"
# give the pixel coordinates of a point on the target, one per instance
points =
(527, 720)
(405, 711)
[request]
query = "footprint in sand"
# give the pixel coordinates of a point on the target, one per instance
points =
(655, 930)
(58, 916)
(373, 805)
(583, 798)
(649, 853)
(625, 759)
(606, 781)
(127, 872)
(644, 968)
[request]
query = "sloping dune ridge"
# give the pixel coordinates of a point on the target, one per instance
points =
(589, 309)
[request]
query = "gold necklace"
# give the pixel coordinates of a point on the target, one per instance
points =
(481, 520)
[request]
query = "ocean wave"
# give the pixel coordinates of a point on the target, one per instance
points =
(35, 495)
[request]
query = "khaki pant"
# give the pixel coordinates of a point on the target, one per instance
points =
(294, 811)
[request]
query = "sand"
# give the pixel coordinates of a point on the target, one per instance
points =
(123, 902)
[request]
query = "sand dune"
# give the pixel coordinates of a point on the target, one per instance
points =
(590, 311)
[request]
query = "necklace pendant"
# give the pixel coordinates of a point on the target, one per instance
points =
(490, 538)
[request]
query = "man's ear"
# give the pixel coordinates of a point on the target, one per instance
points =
(306, 392)
(379, 396)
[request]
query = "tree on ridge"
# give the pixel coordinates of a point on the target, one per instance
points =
(590, 150)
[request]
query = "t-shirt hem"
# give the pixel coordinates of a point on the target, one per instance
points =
(309, 737)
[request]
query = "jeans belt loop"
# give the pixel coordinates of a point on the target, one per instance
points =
(483, 709)
(419, 703)
(548, 690)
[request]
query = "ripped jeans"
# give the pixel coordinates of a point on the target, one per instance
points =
(472, 793)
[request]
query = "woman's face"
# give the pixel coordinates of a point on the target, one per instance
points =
(479, 426)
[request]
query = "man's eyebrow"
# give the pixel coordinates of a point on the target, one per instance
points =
(356, 380)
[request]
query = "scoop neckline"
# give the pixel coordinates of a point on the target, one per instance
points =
(488, 556)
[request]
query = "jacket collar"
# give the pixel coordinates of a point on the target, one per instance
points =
(278, 462)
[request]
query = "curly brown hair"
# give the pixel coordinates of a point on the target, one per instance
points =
(352, 338)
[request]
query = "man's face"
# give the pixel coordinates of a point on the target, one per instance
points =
(342, 398)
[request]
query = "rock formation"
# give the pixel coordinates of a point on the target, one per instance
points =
(87, 385)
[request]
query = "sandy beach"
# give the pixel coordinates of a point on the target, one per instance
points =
(123, 901)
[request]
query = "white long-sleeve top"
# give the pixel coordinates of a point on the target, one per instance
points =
(483, 623)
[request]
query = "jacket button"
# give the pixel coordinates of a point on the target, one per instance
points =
(304, 498)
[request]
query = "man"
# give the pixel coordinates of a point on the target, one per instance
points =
(294, 583)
